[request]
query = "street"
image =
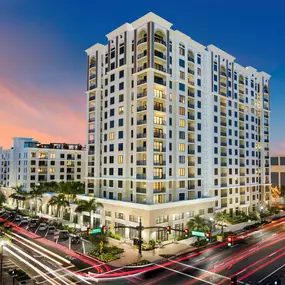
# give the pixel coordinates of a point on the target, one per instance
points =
(256, 257)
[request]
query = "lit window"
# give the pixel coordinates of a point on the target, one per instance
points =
(181, 147)
(181, 123)
(170, 96)
(51, 170)
(120, 159)
(181, 99)
(182, 75)
(132, 108)
(181, 171)
(121, 110)
(52, 155)
(111, 136)
(181, 111)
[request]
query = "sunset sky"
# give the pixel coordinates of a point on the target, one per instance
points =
(42, 58)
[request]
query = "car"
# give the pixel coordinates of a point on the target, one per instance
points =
(63, 234)
(18, 218)
(25, 220)
(42, 227)
(75, 239)
(2, 211)
(33, 223)
(51, 229)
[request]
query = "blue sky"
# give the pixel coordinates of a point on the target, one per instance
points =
(42, 47)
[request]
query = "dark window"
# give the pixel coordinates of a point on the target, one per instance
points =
(274, 160)
(121, 74)
(282, 160)
(282, 178)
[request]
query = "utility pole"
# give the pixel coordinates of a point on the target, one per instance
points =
(140, 236)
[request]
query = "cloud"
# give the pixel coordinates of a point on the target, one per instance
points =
(45, 115)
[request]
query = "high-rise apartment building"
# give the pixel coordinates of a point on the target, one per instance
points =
(174, 128)
(28, 163)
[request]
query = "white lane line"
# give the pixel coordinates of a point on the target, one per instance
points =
(240, 272)
(203, 270)
(272, 253)
(182, 273)
(55, 271)
(271, 273)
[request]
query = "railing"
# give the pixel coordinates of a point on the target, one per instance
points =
(91, 98)
(223, 134)
(91, 163)
(158, 108)
(191, 129)
(241, 128)
(141, 135)
(141, 176)
(191, 151)
(141, 122)
(163, 176)
(224, 144)
(159, 163)
(141, 95)
(223, 84)
(160, 81)
(191, 94)
(191, 140)
(160, 55)
(142, 40)
(241, 119)
(141, 108)
(191, 82)
(162, 149)
(141, 81)
(191, 163)
(241, 146)
(141, 190)
(91, 152)
(140, 68)
(190, 117)
(141, 162)
(91, 130)
(191, 59)
(224, 184)
(223, 73)
(223, 114)
(160, 96)
(92, 76)
(242, 174)
(191, 187)
(91, 109)
(223, 93)
(241, 137)
(159, 135)
(160, 122)
(159, 190)
(224, 195)
(192, 106)
(92, 65)
(224, 164)
(92, 87)
(142, 54)
(223, 104)
(223, 124)
(223, 154)
(160, 68)
(241, 155)
(160, 41)
(91, 119)
(241, 82)
(224, 174)
(91, 141)
(191, 71)
(141, 149)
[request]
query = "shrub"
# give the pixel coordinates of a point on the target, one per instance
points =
(115, 236)
(166, 255)
(180, 238)
(108, 253)
(139, 263)
(199, 243)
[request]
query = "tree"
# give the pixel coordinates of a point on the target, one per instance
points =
(70, 189)
(18, 195)
(35, 193)
(3, 199)
(275, 192)
(88, 206)
(198, 223)
(59, 202)
(221, 218)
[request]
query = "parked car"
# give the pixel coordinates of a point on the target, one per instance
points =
(18, 218)
(75, 239)
(33, 223)
(2, 211)
(51, 229)
(43, 227)
(63, 234)
(25, 220)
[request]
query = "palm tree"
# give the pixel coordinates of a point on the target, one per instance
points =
(70, 189)
(18, 195)
(59, 202)
(35, 193)
(198, 223)
(88, 206)
(221, 218)
(3, 199)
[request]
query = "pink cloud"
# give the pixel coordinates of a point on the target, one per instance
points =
(42, 114)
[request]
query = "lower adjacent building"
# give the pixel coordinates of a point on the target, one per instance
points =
(29, 162)
(278, 171)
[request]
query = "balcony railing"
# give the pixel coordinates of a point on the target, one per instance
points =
(191, 71)
(191, 163)
(141, 162)
(224, 184)
(141, 108)
(141, 95)
(161, 149)
(92, 65)
(160, 122)
(92, 76)
(91, 163)
(158, 108)
(91, 98)
(224, 164)
(192, 106)
(191, 117)
(159, 135)
(142, 40)
(160, 55)
(223, 114)
(223, 73)
(159, 96)
(141, 81)
(91, 141)
(162, 176)
(191, 59)
(141, 135)
(142, 54)
(91, 130)
(223, 154)
(91, 120)
(141, 190)
(224, 144)
(141, 176)
(141, 149)
(160, 81)
(191, 94)
(223, 124)
(92, 87)
(159, 190)
(140, 68)
(160, 41)
(191, 140)
(223, 134)
(191, 187)
(141, 122)
(91, 109)
(159, 163)
(191, 151)
(191, 129)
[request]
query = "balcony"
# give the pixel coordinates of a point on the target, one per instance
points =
(141, 81)
(191, 151)
(224, 205)
(223, 93)
(92, 86)
(224, 144)
(191, 163)
(160, 41)
(157, 163)
(241, 92)
(242, 165)
(241, 119)
(92, 76)
(241, 100)
(160, 81)
(191, 106)
(90, 185)
(91, 152)
(223, 104)
(162, 176)
(141, 122)
(191, 175)
(91, 98)
(241, 137)
(242, 174)
(142, 54)
(224, 195)
(159, 190)
(92, 65)
(159, 108)
(91, 120)
(191, 82)
(142, 40)
(159, 135)
(191, 59)
(224, 164)
(190, 71)
(241, 128)
(191, 140)
(190, 117)
(141, 135)
(191, 129)
(159, 54)
(160, 68)
(91, 131)
(141, 162)
(223, 73)
(141, 95)
(159, 122)
(191, 94)
(223, 134)
(91, 163)
(223, 114)
(159, 95)
(141, 176)
(224, 184)
(223, 84)
(141, 108)
(224, 174)
(223, 124)
(242, 183)
(140, 68)
(141, 190)
(141, 149)
(241, 155)
(91, 141)
(191, 187)
(161, 149)
(223, 154)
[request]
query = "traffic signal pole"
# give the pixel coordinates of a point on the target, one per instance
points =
(140, 236)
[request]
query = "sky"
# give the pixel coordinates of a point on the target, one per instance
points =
(43, 63)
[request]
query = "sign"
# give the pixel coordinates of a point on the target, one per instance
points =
(95, 231)
(197, 234)
(220, 238)
(101, 244)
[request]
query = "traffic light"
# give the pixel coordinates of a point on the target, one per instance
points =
(208, 236)
(186, 231)
(234, 280)
(104, 230)
(277, 282)
(88, 230)
(168, 229)
(230, 241)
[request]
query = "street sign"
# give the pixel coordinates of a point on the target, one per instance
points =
(197, 234)
(95, 231)
(220, 238)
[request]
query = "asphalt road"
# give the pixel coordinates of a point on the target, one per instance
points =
(257, 257)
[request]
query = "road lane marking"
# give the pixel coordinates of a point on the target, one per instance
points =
(272, 254)
(182, 273)
(271, 273)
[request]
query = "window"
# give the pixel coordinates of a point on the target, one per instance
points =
(120, 159)
(181, 87)
(181, 171)
(181, 147)
(121, 74)
(162, 219)
(121, 122)
(181, 111)
(121, 85)
(181, 99)
(121, 110)
(181, 63)
(182, 75)
(119, 216)
(181, 123)
(274, 160)
(121, 98)
(111, 136)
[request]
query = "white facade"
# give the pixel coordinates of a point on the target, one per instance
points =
(28, 163)
(170, 120)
